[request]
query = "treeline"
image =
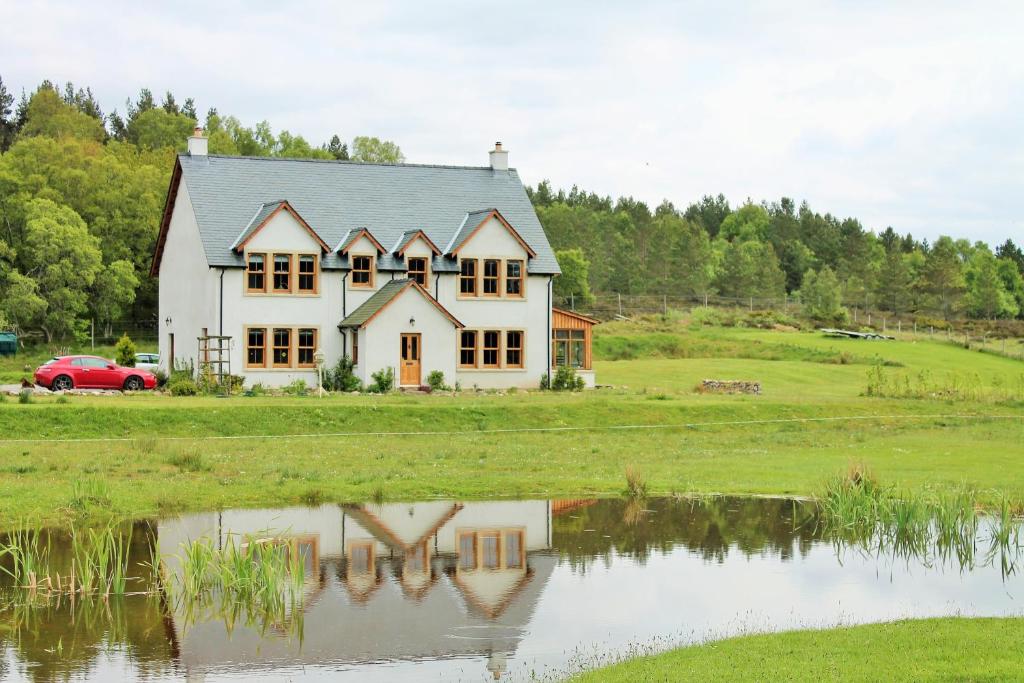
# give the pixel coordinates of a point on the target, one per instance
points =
(768, 251)
(81, 194)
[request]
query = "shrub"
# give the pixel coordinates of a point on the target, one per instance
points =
(383, 381)
(161, 378)
(710, 317)
(342, 377)
(182, 386)
(235, 383)
(545, 382)
(257, 390)
(63, 398)
(436, 381)
(189, 461)
(25, 396)
(566, 379)
(296, 388)
(125, 352)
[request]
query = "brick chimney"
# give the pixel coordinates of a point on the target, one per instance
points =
(499, 158)
(197, 143)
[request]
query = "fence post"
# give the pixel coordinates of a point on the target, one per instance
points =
(883, 323)
(620, 303)
(92, 333)
(664, 298)
(751, 303)
(869, 319)
(899, 327)
(705, 299)
(854, 314)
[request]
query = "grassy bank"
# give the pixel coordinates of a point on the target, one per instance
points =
(921, 650)
(158, 454)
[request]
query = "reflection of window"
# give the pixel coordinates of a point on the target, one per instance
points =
(362, 271)
(491, 544)
(514, 549)
(282, 347)
(257, 273)
(492, 342)
(307, 274)
(514, 278)
(256, 347)
(467, 551)
(282, 272)
(306, 347)
(418, 270)
(416, 559)
(467, 277)
(467, 348)
(513, 349)
(568, 348)
(360, 560)
(492, 274)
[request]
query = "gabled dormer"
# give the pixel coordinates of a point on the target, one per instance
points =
(282, 252)
(493, 258)
(363, 251)
(418, 251)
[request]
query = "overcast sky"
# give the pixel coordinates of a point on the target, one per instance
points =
(908, 116)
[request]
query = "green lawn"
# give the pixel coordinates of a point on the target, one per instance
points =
(950, 649)
(172, 455)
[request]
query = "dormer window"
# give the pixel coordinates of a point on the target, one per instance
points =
(256, 276)
(282, 272)
(362, 271)
(417, 270)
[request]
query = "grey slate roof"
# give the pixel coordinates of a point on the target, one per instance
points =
(379, 300)
(336, 197)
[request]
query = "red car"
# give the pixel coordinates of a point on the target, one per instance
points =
(91, 372)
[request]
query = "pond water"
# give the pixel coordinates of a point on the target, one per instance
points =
(474, 591)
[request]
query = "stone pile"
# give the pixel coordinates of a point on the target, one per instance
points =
(730, 386)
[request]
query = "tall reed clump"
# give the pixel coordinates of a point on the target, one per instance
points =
(883, 383)
(636, 484)
(99, 563)
(262, 575)
(856, 509)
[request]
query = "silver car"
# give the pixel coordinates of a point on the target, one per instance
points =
(148, 361)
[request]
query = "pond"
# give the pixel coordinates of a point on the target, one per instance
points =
(446, 590)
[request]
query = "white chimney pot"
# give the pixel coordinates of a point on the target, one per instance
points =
(499, 158)
(198, 143)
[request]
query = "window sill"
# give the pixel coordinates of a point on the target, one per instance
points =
(298, 295)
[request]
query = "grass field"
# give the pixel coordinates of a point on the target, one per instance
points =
(923, 650)
(187, 453)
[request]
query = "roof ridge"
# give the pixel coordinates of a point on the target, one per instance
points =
(344, 162)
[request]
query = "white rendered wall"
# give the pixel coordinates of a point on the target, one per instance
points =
(188, 286)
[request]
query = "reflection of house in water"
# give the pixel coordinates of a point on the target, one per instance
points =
(386, 582)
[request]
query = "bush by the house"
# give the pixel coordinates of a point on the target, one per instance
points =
(182, 386)
(296, 388)
(161, 378)
(383, 381)
(125, 352)
(566, 379)
(436, 381)
(342, 377)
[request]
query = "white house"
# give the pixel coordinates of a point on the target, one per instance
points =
(414, 267)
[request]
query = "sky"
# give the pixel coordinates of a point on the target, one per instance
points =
(906, 114)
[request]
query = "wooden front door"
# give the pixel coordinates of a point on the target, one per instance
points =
(411, 351)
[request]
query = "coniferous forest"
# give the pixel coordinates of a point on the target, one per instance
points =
(82, 190)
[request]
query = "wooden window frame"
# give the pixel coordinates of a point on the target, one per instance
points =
(484, 349)
(371, 555)
(426, 269)
(315, 274)
(370, 271)
(485, 278)
(262, 348)
(521, 279)
(290, 348)
(475, 348)
(521, 349)
(299, 347)
(250, 272)
(274, 289)
(474, 278)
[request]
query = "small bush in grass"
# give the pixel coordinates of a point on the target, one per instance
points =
(183, 386)
(89, 493)
(3, 398)
(257, 390)
(566, 379)
(383, 381)
(189, 461)
(312, 497)
(545, 382)
(296, 388)
(436, 381)
(636, 485)
(25, 396)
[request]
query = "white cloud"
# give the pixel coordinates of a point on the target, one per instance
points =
(904, 115)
